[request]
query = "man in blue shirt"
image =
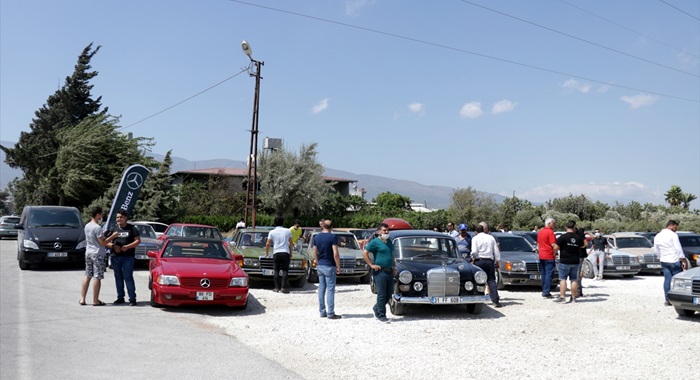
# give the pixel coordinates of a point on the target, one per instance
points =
(383, 269)
(464, 242)
(327, 261)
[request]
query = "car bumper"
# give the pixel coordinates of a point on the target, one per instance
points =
(684, 301)
(651, 267)
(6, 233)
(38, 257)
(529, 278)
(622, 269)
(449, 300)
(177, 296)
(349, 273)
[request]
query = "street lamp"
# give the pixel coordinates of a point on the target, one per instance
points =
(252, 185)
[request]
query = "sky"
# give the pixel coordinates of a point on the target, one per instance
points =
(540, 99)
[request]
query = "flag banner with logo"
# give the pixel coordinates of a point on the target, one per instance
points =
(128, 192)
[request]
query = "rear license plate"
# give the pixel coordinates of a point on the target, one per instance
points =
(622, 267)
(141, 257)
(437, 300)
(58, 254)
(654, 266)
(535, 277)
(205, 296)
(268, 272)
(696, 300)
(347, 271)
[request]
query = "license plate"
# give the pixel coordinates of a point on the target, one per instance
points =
(268, 272)
(347, 271)
(58, 254)
(141, 257)
(696, 300)
(623, 267)
(654, 266)
(535, 277)
(205, 296)
(436, 300)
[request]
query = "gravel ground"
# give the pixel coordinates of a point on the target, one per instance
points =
(619, 330)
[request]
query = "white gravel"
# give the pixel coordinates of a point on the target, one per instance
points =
(620, 330)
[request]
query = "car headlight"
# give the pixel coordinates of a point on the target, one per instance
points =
(250, 262)
(468, 285)
(515, 266)
(635, 259)
(405, 276)
(29, 244)
(360, 263)
(81, 245)
(238, 281)
(295, 264)
(480, 277)
(418, 286)
(640, 259)
(165, 279)
(681, 284)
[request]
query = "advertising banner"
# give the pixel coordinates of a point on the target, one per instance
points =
(128, 192)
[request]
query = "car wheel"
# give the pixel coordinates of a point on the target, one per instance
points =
(684, 313)
(474, 308)
(587, 269)
(366, 278)
(372, 287)
(242, 307)
(311, 277)
(150, 283)
(395, 307)
(23, 265)
(499, 281)
(300, 282)
(153, 300)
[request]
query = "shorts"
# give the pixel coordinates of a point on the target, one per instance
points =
(95, 265)
(568, 270)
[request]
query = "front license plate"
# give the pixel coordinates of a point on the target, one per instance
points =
(58, 254)
(654, 266)
(346, 270)
(623, 267)
(268, 272)
(141, 257)
(535, 277)
(205, 296)
(696, 300)
(437, 300)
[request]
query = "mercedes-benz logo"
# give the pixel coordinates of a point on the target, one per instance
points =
(451, 279)
(205, 283)
(57, 246)
(134, 181)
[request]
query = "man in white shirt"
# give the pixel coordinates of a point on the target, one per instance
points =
(486, 255)
(451, 230)
(668, 249)
(280, 239)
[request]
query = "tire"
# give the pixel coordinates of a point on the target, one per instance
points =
(243, 307)
(300, 282)
(684, 313)
(627, 275)
(474, 308)
(395, 307)
(587, 269)
(153, 300)
(311, 276)
(23, 265)
(366, 278)
(499, 281)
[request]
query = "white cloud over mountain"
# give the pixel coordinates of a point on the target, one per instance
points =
(320, 107)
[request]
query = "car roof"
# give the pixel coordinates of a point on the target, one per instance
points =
(415, 233)
(193, 239)
(687, 233)
(625, 234)
(149, 222)
(192, 225)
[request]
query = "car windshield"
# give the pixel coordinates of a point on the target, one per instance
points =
(633, 242)
(513, 244)
(347, 241)
(194, 249)
(689, 241)
(54, 218)
(417, 248)
(252, 239)
(145, 231)
(158, 227)
(203, 232)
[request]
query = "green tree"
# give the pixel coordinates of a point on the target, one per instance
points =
(674, 196)
(389, 202)
(36, 151)
(686, 199)
(579, 205)
(293, 183)
(470, 206)
(4, 208)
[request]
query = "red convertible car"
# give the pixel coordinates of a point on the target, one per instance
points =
(196, 271)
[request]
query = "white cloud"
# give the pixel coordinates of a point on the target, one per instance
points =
(687, 59)
(639, 100)
(418, 108)
(594, 190)
(320, 107)
(471, 110)
(503, 106)
(573, 84)
(352, 7)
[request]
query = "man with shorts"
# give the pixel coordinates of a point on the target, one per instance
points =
(570, 245)
(95, 257)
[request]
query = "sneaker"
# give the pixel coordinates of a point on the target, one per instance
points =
(285, 291)
(324, 315)
(497, 304)
(276, 290)
(571, 300)
(335, 316)
(548, 296)
(383, 319)
(559, 300)
(132, 303)
(119, 301)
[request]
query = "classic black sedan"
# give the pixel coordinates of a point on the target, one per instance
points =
(520, 263)
(431, 271)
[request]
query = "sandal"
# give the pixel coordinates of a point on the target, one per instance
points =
(99, 303)
(82, 303)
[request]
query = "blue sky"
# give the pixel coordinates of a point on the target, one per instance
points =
(541, 98)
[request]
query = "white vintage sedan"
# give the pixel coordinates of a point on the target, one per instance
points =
(685, 292)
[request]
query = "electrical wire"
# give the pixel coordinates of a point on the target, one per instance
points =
(463, 51)
(679, 10)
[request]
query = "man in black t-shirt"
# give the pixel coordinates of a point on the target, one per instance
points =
(123, 251)
(570, 245)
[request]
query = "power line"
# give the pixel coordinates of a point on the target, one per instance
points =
(629, 29)
(191, 97)
(678, 9)
(581, 39)
(462, 51)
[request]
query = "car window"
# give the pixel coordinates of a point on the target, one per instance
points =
(633, 242)
(689, 241)
(513, 244)
(425, 247)
(12, 220)
(174, 231)
(158, 227)
(196, 250)
(347, 241)
(145, 231)
(252, 239)
(54, 218)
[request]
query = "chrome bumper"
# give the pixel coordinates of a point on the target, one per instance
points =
(453, 300)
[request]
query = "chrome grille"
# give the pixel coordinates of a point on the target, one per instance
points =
(695, 287)
(48, 245)
(617, 260)
(267, 263)
(532, 267)
(443, 282)
(142, 249)
(347, 262)
(651, 258)
(193, 283)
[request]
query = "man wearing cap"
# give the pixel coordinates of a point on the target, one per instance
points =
(486, 256)
(464, 242)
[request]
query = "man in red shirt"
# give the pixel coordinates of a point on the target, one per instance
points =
(547, 245)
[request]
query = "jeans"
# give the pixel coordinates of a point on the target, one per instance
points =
(280, 262)
(547, 270)
(384, 284)
(123, 267)
(326, 289)
(488, 266)
(599, 264)
(568, 271)
(670, 269)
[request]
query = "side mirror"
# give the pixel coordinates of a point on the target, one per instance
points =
(19, 226)
(152, 254)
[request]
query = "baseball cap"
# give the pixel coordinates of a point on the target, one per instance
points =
(463, 227)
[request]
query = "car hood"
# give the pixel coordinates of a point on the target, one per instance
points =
(616, 252)
(255, 252)
(422, 266)
(55, 233)
(528, 257)
(691, 249)
(348, 252)
(151, 241)
(185, 266)
(636, 251)
(689, 274)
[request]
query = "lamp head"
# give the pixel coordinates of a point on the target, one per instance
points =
(246, 49)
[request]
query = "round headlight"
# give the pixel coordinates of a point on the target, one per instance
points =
(469, 285)
(480, 277)
(405, 277)
(418, 286)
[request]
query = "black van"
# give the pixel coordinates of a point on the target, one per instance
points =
(50, 234)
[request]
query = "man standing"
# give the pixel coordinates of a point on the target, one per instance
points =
(464, 242)
(547, 245)
(383, 269)
(296, 233)
(327, 261)
(570, 245)
(95, 257)
(486, 255)
(240, 224)
(668, 249)
(451, 230)
(280, 239)
(123, 249)
(598, 253)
